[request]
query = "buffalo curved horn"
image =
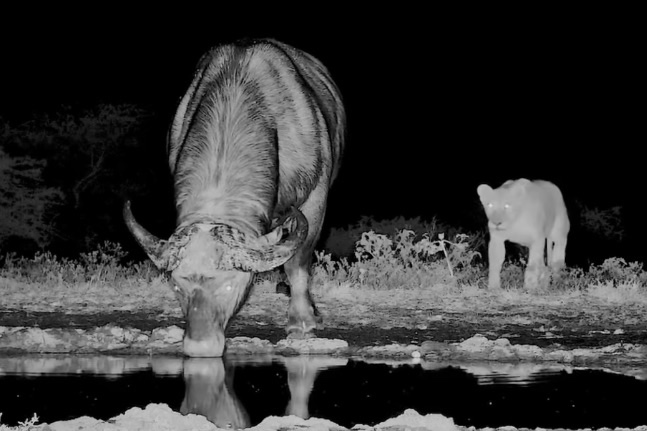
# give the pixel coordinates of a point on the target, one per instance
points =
(155, 248)
(266, 252)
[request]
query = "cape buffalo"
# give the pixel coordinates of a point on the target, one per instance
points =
(254, 147)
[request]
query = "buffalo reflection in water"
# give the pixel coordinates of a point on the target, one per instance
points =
(210, 393)
(209, 389)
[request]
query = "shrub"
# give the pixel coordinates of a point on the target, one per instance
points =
(103, 266)
(617, 271)
(404, 259)
(381, 262)
(341, 241)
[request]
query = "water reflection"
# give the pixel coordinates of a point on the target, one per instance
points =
(302, 372)
(239, 392)
(209, 388)
(209, 392)
(208, 382)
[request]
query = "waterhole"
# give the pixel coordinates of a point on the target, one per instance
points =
(240, 392)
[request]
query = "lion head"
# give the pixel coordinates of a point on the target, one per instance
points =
(503, 205)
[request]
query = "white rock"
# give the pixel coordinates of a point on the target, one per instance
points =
(412, 419)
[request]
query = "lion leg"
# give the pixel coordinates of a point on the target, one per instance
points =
(557, 261)
(550, 244)
(496, 256)
(536, 264)
(558, 236)
(558, 258)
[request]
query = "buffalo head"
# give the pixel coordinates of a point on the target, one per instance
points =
(212, 267)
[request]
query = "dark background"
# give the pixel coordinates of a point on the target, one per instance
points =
(438, 102)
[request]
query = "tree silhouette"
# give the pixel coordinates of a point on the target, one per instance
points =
(86, 160)
(26, 204)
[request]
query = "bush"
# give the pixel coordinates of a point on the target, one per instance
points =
(402, 258)
(103, 266)
(341, 241)
(404, 261)
(617, 271)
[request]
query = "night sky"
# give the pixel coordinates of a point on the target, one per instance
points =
(436, 104)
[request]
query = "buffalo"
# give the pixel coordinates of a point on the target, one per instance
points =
(254, 148)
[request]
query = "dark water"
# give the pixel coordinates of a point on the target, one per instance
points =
(243, 392)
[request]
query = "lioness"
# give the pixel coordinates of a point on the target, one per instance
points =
(527, 213)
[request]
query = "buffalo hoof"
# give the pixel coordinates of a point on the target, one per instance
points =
(301, 328)
(300, 335)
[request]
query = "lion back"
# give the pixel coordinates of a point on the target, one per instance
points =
(547, 202)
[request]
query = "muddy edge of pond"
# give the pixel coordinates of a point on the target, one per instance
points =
(146, 333)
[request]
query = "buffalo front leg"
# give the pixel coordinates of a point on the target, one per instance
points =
(302, 372)
(303, 315)
(496, 256)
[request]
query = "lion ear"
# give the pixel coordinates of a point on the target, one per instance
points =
(484, 191)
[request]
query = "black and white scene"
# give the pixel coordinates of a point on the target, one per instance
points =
(285, 219)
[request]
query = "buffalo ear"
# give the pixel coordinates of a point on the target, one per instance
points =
(266, 252)
(293, 224)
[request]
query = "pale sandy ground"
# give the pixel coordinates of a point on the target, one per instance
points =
(159, 417)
